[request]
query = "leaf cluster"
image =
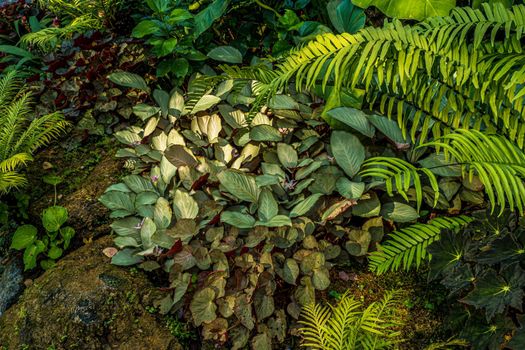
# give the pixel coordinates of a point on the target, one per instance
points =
(482, 266)
(52, 245)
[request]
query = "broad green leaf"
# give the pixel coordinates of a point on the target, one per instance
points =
(283, 102)
(345, 16)
(290, 271)
(67, 234)
(138, 183)
(305, 206)
(126, 257)
(54, 252)
(205, 102)
(287, 155)
(226, 54)
(240, 184)
(268, 207)
(31, 254)
(205, 18)
(410, 9)
(147, 231)
(350, 189)
(184, 206)
(368, 206)
(399, 212)
(348, 151)
(146, 27)
(276, 221)
(54, 217)
(388, 127)
(321, 278)
(495, 292)
(203, 306)
(23, 237)
(354, 118)
(129, 80)
(264, 132)
(237, 219)
(127, 227)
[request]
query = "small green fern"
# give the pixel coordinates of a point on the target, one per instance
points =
(20, 134)
(406, 247)
(349, 325)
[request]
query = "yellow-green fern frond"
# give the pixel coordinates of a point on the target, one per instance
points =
(349, 325)
(20, 132)
(406, 248)
(14, 162)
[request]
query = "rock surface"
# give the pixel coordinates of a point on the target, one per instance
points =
(11, 282)
(86, 303)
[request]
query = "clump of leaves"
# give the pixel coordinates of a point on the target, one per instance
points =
(259, 210)
(350, 325)
(51, 245)
(482, 266)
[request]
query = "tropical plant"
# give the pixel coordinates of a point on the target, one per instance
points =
(20, 134)
(350, 325)
(52, 244)
(482, 267)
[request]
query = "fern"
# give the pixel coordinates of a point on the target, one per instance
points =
(399, 175)
(47, 39)
(407, 247)
(20, 133)
(434, 77)
(499, 164)
(348, 325)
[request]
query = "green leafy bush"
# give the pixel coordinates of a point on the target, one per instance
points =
(482, 267)
(55, 241)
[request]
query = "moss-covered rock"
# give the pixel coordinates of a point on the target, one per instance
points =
(86, 303)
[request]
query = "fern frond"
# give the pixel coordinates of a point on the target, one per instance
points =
(41, 132)
(14, 162)
(315, 317)
(406, 247)
(339, 326)
(439, 75)
(499, 164)
(11, 179)
(399, 175)
(47, 39)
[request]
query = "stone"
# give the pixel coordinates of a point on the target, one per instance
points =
(86, 303)
(11, 282)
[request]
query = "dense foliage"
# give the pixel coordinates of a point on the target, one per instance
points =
(482, 267)
(333, 137)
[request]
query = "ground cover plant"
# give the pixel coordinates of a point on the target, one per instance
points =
(275, 154)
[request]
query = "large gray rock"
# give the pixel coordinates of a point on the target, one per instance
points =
(86, 303)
